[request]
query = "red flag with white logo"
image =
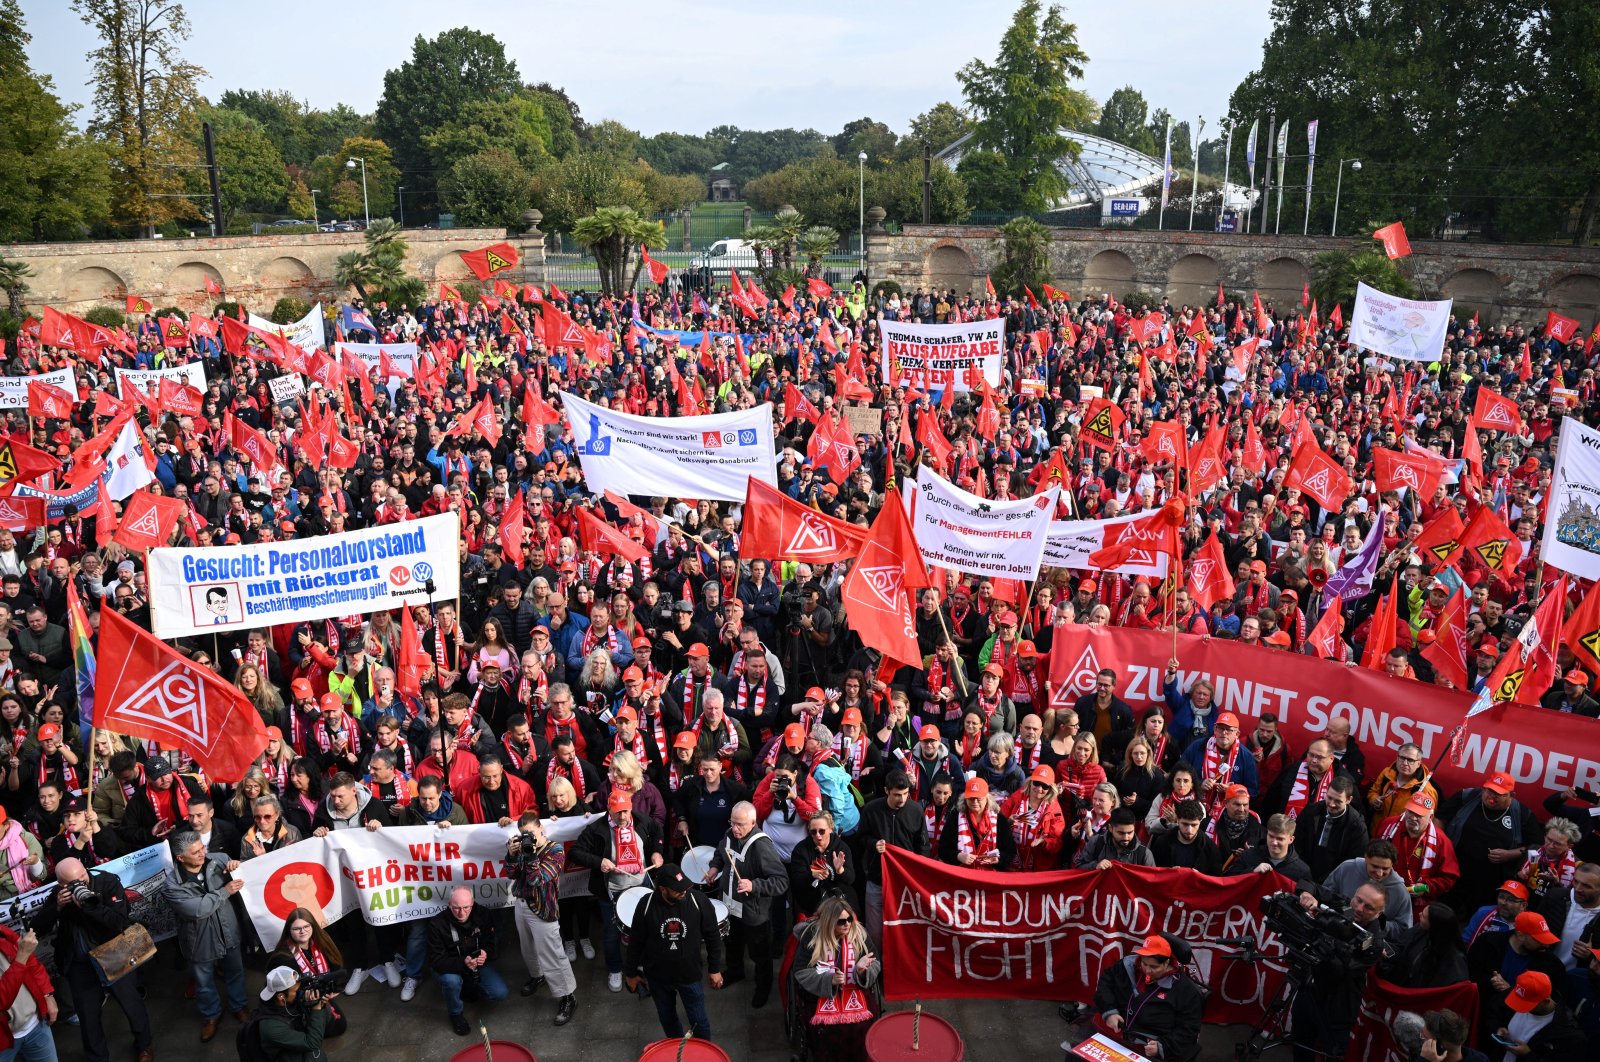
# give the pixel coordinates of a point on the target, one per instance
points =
(1393, 238)
(797, 405)
(49, 402)
(1496, 412)
(779, 528)
(145, 690)
(1448, 653)
(1393, 470)
(21, 514)
(513, 524)
(1324, 637)
(1560, 327)
(600, 537)
(148, 520)
(1209, 581)
(878, 593)
(1319, 476)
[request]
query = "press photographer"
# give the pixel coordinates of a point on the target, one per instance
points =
(1330, 953)
(292, 1020)
(461, 949)
(534, 865)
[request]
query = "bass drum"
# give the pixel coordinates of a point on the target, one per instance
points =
(627, 906)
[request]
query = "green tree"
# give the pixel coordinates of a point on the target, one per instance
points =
(490, 188)
(613, 138)
(145, 95)
(299, 200)
(1182, 149)
(280, 115)
(987, 176)
(432, 89)
(816, 243)
(517, 125)
(251, 176)
(342, 182)
(567, 127)
(939, 126)
(678, 153)
(54, 183)
(1024, 101)
(582, 183)
(326, 130)
(822, 189)
(898, 189)
(614, 235)
(1122, 119)
(1023, 250)
(1334, 275)
(14, 282)
(751, 153)
(777, 241)
(668, 192)
(864, 134)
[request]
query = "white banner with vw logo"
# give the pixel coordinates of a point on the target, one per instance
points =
(224, 588)
(672, 457)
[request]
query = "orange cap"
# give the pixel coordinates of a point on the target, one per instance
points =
(619, 801)
(852, 717)
(976, 788)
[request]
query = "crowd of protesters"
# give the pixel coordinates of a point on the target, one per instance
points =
(702, 698)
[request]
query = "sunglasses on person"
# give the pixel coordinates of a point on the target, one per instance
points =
(818, 832)
(844, 920)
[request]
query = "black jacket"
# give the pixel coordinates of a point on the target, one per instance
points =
(950, 838)
(1559, 1041)
(1347, 838)
(905, 828)
(1207, 857)
(450, 942)
(594, 845)
(1089, 715)
(138, 824)
(664, 940)
(99, 921)
(1169, 1014)
(1293, 867)
(757, 859)
(807, 890)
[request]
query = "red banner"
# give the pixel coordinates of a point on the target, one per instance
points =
(950, 932)
(1544, 751)
(1373, 1040)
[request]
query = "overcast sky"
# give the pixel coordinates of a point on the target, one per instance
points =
(689, 65)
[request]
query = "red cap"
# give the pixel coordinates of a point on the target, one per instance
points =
(976, 788)
(49, 730)
(1088, 586)
(301, 689)
(627, 712)
(1577, 676)
(274, 733)
(794, 734)
(1420, 804)
(1155, 944)
(619, 801)
(1258, 566)
(330, 702)
(1007, 618)
(1500, 782)
(998, 670)
(1027, 649)
(699, 649)
(852, 717)
(1515, 888)
(641, 642)
(684, 740)
(1532, 988)
(1228, 719)
(632, 672)
(818, 694)
(1234, 791)
(1532, 924)
(1043, 773)
(929, 732)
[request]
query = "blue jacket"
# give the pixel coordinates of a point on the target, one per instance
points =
(1244, 766)
(834, 783)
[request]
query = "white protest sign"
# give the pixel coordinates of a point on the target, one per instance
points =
(287, 388)
(996, 539)
(927, 355)
(14, 389)
(1572, 522)
(225, 588)
(1070, 542)
(710, 456)
(306, 333)
(1401, 328)
(148, 381)
(391, 875)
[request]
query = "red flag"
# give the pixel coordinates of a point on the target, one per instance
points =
(1305, 293)
(1166, 442)
(1489, 540)
(1252, 452)
(1392, 470)
(179, 397)
(1560, 327)
(1528, 667)
(49, 402)
(787, 298)
(1336, 318)
(988, 420)
(21, 514)
(559, 329)
(411, 663)
(1206, 467)
(58, 329)
(1594, 337)
(779, 528)
(819, 289)
(1381, 635)
(513, 525)
(531, 293)
(202, 328)
(1324, 637)
(1143, 539)
(1033, 303)
(212, 287)
(627, 510)
(145, 690)
(796, 406)
(1056, 473)
(1496, 412)
(1222, 300)
(138, 304)
(1319, 476)
(105, 517)
(148, 520)
(1393, 237)
(557, 294)
(254, 445)
(988, 285)
(929, 435)
(21, 462)
(658, 270)
(1582, 630)
(1147, 327)
(1448, 653)
(1102, 424)
(1209, 580)
(1525, 368)
(1056, 294)
(447, 293)
(877, 594)
(487, 261)
(600, 537)
(174, 333)
(1441, 536)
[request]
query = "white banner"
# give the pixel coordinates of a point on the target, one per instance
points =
(222, 588)
(14, 389)
(1071, 541)
(395, 874)
(306, 333)
(149, 380)
(145, 874)
(999, 540)
(711, 456)
(287, 388)
(1401, 328)
(1572, 522)
(919, 355)
(404, 355)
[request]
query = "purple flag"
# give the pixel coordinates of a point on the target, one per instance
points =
(1354, 579)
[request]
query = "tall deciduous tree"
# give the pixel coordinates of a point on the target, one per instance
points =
(1182, 148)
(938, 127)
(1122, 119)
(144, 98)
(490, 187)
(1024, 101)
(251, 174)
(431, 90)
(342, 183)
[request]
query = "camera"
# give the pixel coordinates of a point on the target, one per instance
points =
(1326, 934)
(523, 848)
(781, 788)
(790, 606)
(323, 984)
(82, 894)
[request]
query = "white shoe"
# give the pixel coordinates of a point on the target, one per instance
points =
(588, 948)
(571, 950)
(391, 975)
(408, 990)
(379, 974)
(357, 979)
(614, 982)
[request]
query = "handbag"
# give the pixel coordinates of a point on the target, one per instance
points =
(122, 954)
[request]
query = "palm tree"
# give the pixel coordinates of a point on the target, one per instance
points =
(14, 282)
(353, 270)
(816, 243)
(381, 267)
(612, 234)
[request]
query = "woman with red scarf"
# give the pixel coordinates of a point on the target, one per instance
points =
(975, 833)
(837, 974)
(1037, 824)
(306, 948)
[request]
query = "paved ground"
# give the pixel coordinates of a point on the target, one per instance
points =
(607, 1027)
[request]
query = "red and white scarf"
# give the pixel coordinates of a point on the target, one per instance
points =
(572, 772)
(971, 747)
(852, 754)
(849, 1004)
(936, 682)
(1027, 687)
(982, 841)
(935, 819)
(1424, 853)
(1028, 757)
(68, 773)
(691, 699)
(1215, 768)
(636, 746)
(1024, 824)
(629, 854)
(554, 728)
(988, 707)
(729, 743)
(324, 737)
(591, 640)
(517, 756)
(753, 707)
(1301, 796)
(534, 695)
(444, 649)
(311, 960)
(171, 807)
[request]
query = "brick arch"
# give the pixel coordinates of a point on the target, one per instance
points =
(286, 272)
(94, 283)
(1576, 295)
(187, 283)
(1281, 280)
(1192, 280)
(1108, 270)
(449, 266)
(949, 266)
(1474, 290)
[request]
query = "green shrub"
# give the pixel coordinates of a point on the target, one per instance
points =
(289, 309)
(1139, 301)
(780, 279)
(170, 311)
(887, 287)
(106, 317)
(470, 292)
(407, 292)
(231, 309)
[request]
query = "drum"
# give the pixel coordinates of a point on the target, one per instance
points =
(696, 863)
(722, 916)
(627, 904)
(684, 1051)
(906, 1035)
(504, 1051)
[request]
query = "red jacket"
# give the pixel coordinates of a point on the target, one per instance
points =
(1052, 827)
(807, 798)
(29, 976)
(519, 799)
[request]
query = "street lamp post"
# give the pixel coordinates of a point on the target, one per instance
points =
(1355, 167)
(861, 208)
(366, 210)
(316, 219)
(400, 195)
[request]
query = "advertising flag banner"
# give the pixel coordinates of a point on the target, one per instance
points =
(305, 333)
(1409, 329)
(14, 389)
(1070, 543)
(961, 531)
(1572, 521)
(228, 588)
(930, 356)
(396, 874)
(710, 456)
(1546, 752)
(137, 383)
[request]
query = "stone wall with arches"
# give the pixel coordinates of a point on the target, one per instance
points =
(1500, 282)
(258, 270)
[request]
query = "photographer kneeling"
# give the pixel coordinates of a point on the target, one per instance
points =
(292, 1021)
(534, 865)
(461, 947)
(1149, 1003)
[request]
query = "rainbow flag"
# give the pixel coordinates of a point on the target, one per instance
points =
(82, 660)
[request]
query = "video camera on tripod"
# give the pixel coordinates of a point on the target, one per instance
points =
(1323, 934)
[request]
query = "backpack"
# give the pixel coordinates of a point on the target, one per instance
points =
(248, 1040)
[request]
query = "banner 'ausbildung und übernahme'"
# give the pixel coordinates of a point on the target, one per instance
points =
(223, 588)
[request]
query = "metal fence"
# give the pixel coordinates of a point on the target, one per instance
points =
(691, 271)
